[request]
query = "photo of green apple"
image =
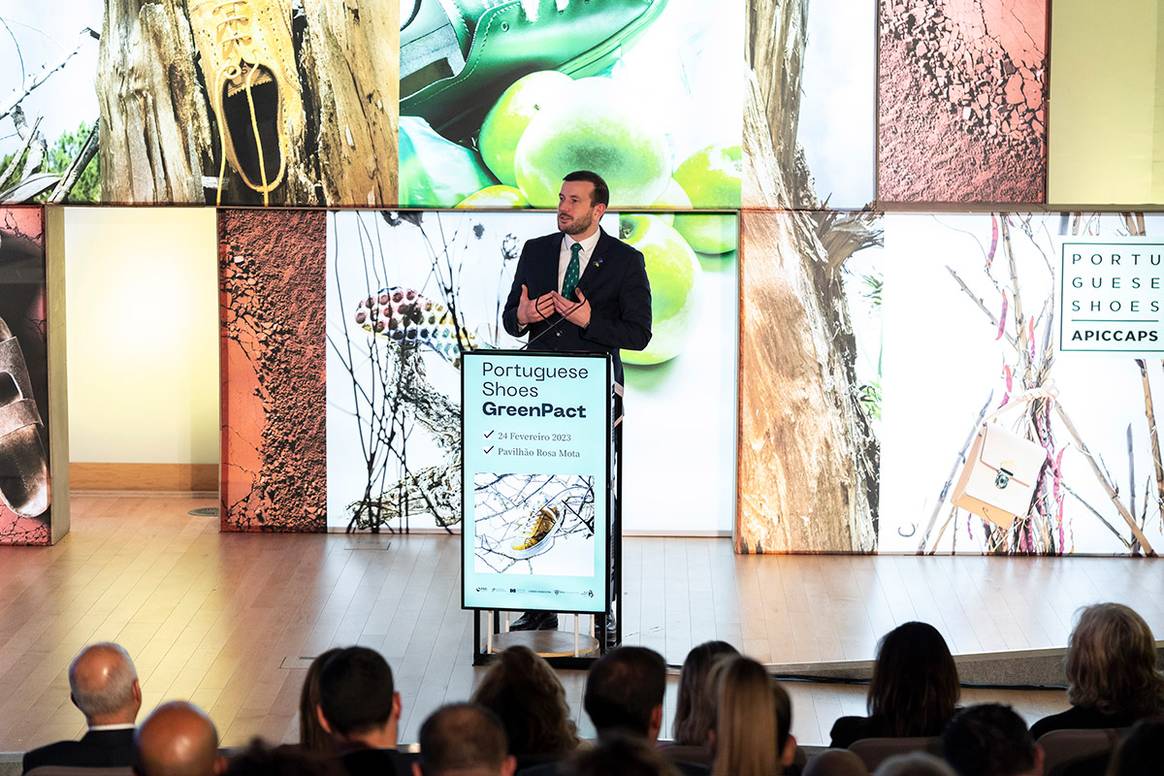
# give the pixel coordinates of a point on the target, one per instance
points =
(657, 115)
(507, 120)
(713, 233)
(674, 274)
(595, 128)
(711, 177)
(672, 198)
(494, 197)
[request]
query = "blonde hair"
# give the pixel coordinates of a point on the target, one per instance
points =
(745, 728)
(1111, 662)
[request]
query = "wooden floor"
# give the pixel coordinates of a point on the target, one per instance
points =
(230, 621)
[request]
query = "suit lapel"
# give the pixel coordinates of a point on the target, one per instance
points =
(597, 259)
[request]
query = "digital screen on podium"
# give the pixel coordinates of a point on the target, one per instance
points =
(535, 481)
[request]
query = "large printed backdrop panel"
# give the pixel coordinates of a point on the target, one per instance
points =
(271, 272)
(874, 349)
(401, 289)
(25, 508)
(351, 104)
(810, 104)
(810, 382)
(962, 113)
(252, 102)
(971, 326)
(353, 423)
(498, 105)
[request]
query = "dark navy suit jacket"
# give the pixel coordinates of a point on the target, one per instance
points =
(96, 749)
(614, 282)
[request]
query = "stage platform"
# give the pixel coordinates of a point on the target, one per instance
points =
(231, 621)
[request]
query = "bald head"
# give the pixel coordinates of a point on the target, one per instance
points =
(103, 684)
(176, 739)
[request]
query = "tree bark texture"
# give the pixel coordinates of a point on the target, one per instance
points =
(155, 125)
(807, 458)
(159, 135)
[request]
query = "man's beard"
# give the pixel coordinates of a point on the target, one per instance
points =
(578, 225)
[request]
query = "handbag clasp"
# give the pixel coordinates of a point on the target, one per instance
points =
(1003, 479)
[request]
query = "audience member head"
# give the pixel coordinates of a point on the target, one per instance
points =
(1111, 662)
(525, 694)
(622, 754)
(991, 740)
(312, 736)
(695, 705)
(259, 759)
(624, 691)
(745, 728)
(914, 764)
(103, 685)
(463, 739)
(177, 739)
(915, 682)
(358, 702)
(1142, 752)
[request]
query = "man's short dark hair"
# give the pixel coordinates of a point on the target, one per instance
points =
(622, 754)
(601, 195)
(462, 736)
(624, 687)
(989, 740)
(356, 690)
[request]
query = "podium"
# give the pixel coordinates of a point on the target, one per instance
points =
(539, 498)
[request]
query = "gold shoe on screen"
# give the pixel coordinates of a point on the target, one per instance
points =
(539, 529)
(248, 64)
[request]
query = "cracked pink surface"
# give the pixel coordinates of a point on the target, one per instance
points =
(22, 307)
(271, 274)
(962, 115)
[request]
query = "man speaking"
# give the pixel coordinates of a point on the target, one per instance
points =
(579, 290)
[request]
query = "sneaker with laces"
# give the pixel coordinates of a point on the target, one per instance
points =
(538, 535)
(248, 64)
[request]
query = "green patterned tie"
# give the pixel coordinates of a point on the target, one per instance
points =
(573, 270)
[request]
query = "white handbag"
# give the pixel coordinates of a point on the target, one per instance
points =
(998, 480)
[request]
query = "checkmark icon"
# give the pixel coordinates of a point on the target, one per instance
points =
(487, 449)
(489, 434)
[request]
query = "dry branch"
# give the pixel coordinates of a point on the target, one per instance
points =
(1112, 492)
(39, 77)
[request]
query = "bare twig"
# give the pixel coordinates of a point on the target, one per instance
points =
(1115, 531)
(959, 461)
(981, 305)
(78, 165)
(1111, 490)
(28, 85)
(1153, 435)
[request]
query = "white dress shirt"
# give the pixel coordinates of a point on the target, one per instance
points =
(583, 257)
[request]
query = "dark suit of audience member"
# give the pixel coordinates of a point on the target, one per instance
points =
(360, 709)
(100, 748)
(914, 691)
(103, 685)
(1112, 677)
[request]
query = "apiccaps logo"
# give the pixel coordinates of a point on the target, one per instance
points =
(1111, 294)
